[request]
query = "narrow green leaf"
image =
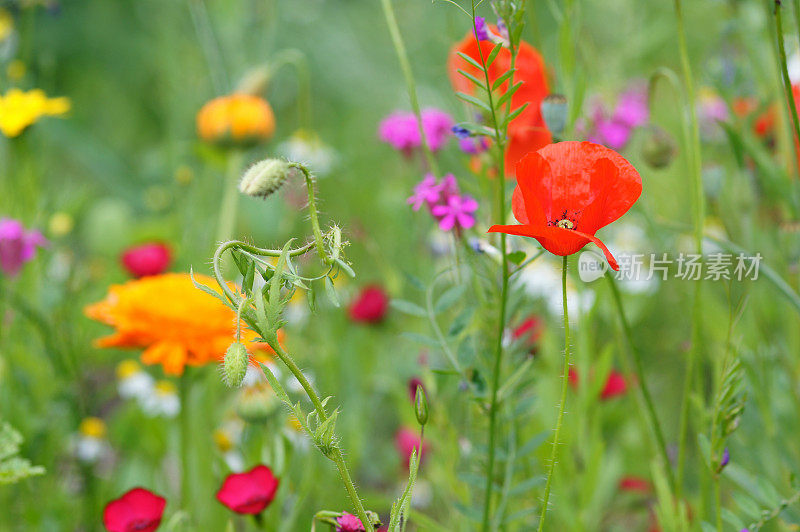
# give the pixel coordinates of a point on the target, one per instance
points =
(474, 101)
(330, 291)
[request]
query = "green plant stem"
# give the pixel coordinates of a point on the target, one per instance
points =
(405, 65)
(297, 59)
(787, 83)
(312, 210)
(184, 425)
(230, 197)
(501, 209)
(336, 454)
(563, 404)
(650, 410)
(699, 221)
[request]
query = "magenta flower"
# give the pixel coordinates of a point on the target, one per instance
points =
(426, 192)
(482, 29)
(473, 145)
(17, 246)
(615, 129)
(456, 213)
(349, 523)
(401, 130)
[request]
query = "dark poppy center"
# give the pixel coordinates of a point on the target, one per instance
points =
(565, 224)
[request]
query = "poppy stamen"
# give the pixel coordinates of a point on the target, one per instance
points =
(565, 223)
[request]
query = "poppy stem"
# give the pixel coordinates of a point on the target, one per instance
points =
(312, 210)
(405, 66)
(563, 403)
(230, 197)
(650, 410)
(185, 436)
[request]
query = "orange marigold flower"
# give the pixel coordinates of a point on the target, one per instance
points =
(237, 118)
(175, 323)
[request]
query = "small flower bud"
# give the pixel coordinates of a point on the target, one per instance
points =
(658, 148)
(554, 112)
(264, 177)
(421, 406)
(726, 458)
(234, 365)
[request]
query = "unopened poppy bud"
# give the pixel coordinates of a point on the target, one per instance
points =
(234, 365)
(264, 177)
(658, 148)
(421, 406)
(554, 112)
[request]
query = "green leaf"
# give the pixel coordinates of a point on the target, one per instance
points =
(516, 257)
(515, 113)
(420, 338)
(449, 298)
(480, 84)
(508, 94)
(493, 54)
(502, 79)
(346, 267)
(407, 307)
(330, 291)
(474, 101)
(470, 60)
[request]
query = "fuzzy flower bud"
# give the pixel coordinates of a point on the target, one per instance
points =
(658, 148)
(264, 177)
(234, 365)
(554, 112)
(421, 406)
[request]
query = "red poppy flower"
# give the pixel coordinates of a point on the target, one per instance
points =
(634, 484)
(146, 259)
(249, 492)
(527, 132)
(370, 306)
(616, 385)
(137, 510)
(567, 191)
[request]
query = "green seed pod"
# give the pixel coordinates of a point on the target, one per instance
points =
(658, 148)
(264, 177)
(234, 365)
(554, 112)
(421, 406)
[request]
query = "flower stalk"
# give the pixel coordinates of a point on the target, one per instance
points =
(563, 404)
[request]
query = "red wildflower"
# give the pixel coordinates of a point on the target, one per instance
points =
(370, 306)
(146, 259)
(616, 385)
(406, 440)
(527, 132)
(567, 191)
(530, 331)
(634, 484)
(138, 510)
(249, 492)
(349, 523)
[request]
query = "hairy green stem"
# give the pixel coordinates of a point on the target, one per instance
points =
(312, 210)
(562, 405)
(650, 410)
(405, 65)
(699, 221)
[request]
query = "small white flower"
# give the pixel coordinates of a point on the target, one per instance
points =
(162, 401)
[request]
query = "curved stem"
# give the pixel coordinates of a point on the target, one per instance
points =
(336, 455)
(297, 59)
(312, 209)
(645, 392)
(693, 143)
(405, 65)
(563, 404)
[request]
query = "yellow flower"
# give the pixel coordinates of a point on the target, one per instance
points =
(237, 118)
(93, 427)
(19, 109)
(175, 323)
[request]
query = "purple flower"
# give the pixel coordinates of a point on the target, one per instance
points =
(401, 130)
(482, 29)
(427, 191)
(449, 187)
(473, 145)
(632, 108)
(461, 132)
(456, 213)
(726, 457)
(438, 127)
(17, 246)
(615, 129)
